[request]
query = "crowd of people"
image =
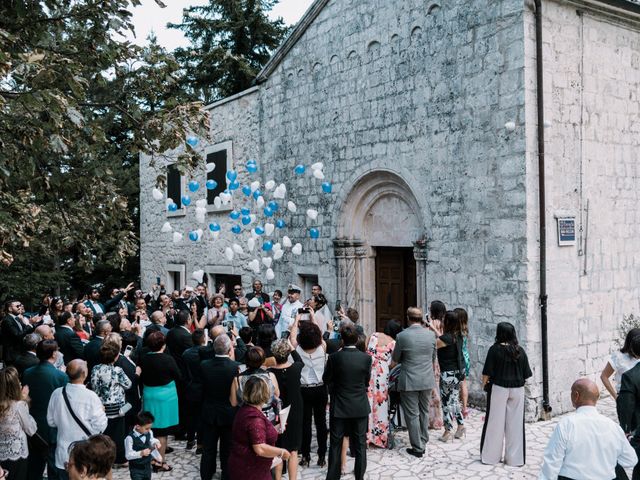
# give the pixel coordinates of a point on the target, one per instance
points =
(242, 378)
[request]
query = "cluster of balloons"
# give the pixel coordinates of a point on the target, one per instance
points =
(258, 201)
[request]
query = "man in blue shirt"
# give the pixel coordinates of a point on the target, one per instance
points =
(235, 316)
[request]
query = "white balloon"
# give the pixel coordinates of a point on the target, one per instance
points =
(292, 207)
(511, 126)
(312, 214)
(317, 166)
(202, 203)
(278, 255)
(237, 249)
(157, 194)
(270, 275)
(270, 185)
(286, 242)
(251, 244)
(254, 265)
(260, 201)
(225, 197)
(217, 202)
(211, 167)
(168, 201)
(200, 233)
(166, 228)
(255, 185)
(266, 261)
(268, 229)
(198, 275)
(297, 249)
(201, 215)
(277, 246)
(177, 237)
(280, 191)
(254, 234)
(318, 174)
(228, 253)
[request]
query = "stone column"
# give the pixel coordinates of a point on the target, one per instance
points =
(420, 255)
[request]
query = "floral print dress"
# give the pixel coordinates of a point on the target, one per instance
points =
(378, 433)
(436, 421)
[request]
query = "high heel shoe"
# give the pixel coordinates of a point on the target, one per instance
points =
(461, 432)
(447, 436)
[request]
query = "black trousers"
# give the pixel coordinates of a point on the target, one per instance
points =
(115, 431)
(356, 430)
(37, 463)
(17, 468)
(314, 401)
(211, 434)
(194, 425)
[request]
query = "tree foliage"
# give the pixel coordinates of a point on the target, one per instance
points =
(231, 40)
(78, 103)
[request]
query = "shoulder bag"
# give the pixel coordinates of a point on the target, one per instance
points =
(73, 414)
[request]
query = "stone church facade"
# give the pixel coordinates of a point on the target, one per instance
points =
(424, 114)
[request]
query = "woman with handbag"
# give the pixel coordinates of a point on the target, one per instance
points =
(15, 425)
(506, 369)
(110, 382)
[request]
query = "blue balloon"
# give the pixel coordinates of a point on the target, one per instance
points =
(236, 229)
(245, 211)
(299, 170)
(193, 141)
(252, 161)
(281, 223)
(234, 215)
(267, 246)
(193, 235)
(252, 167)
(186, 200)
(234, 186)
(214, 227)
(232, 175)
(259, 231)
(273, 205)
(246, 220)
(257, 194)
(211, 184)
(194, 186)
(268, 212)
(246, 189)
(172, 207)
(314, 233)
(326, 187)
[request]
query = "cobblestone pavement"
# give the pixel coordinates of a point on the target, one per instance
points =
(457, 460)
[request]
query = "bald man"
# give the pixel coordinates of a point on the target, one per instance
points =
(86, 406)
(587, 445)
(46, 332)
(238, 351)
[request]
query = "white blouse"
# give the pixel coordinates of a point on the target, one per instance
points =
(621, 362)
(15, 426)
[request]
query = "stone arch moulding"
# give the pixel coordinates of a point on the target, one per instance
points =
(380, 210)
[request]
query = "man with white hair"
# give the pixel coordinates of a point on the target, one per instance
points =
(218, 374)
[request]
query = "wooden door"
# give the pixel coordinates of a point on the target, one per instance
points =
(395, 284)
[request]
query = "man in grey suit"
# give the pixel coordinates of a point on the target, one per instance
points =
(416, 350)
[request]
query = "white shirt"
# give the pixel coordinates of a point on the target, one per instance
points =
(131, 454)
(87, 407)
(587, 446)
(621, 362)
(287, 316)
(97, 307)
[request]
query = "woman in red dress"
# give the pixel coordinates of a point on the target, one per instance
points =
(253, 437)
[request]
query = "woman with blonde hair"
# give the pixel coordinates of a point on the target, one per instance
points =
(16, 424)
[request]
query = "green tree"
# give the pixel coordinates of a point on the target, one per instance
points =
(79, 103)
(231, 40)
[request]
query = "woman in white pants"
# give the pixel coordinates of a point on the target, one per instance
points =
(505, 370)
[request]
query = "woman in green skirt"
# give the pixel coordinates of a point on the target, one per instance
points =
(160, 397)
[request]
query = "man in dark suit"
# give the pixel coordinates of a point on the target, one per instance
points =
(218, 374)
(68, 341)
(28, 358)
(628, 406)
(13, 329)
(347, 375)
(42, 380)
(193, 389)
(178, 340)
(92, 349)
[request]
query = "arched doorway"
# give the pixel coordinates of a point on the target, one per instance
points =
(380, 249)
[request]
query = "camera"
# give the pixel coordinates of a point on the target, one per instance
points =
(304, 310)
(286, 335)
(228, 324)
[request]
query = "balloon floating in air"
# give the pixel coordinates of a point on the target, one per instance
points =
(251, 244)
(172, 207)
(246, 189)
(246, 219)
(286, 242)
(193, 141)
(268, 228)
(214, 227)
(245, 211)
(232, 175)
(177, 237)
(299, 170)
(252, 167)
(202, 203)
(193, 236)
(318, 174)
(280, 192)
(237, 249)
(511, 126)
(234, 215)
(292, 207)
(254, 265)
(217, 202)
(186, 200)
(255, 185)
(166, 228)
(314, 233)
(211, 184)
(273, 205)
(270, 185)
(312, 214)
(270, 275)
(259, 231)
(198, 275)
(267, 262)
(210, 167)
(236, 229)
(228, 253)
(267, 246)
(277, 255)
(194, 186)
(157, 194)
(268, 212)
(317, 166)
(234, 186)
(297, 249)
(281, 223)
(260, 201)
(256, 194)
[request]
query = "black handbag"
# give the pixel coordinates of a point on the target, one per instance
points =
(38, 444)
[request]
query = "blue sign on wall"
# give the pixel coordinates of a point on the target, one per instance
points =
(566, 231)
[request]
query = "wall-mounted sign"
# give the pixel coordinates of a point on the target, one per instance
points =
(566, 231)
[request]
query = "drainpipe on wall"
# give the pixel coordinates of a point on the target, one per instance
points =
(546, 407)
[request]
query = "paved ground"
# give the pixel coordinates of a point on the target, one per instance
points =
(457, 460)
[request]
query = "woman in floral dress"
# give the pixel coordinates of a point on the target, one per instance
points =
(437, 309)
(380, 347)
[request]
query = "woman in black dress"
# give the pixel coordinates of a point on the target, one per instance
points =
(288, 375)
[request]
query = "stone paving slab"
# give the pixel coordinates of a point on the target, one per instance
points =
(457, 460)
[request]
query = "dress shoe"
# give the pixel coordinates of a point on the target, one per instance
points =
(190, 445)
(168, 450)
(321, 461)
(305, 460)
(199, 450)
(415, 453)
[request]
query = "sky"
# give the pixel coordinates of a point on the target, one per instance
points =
(150, 17)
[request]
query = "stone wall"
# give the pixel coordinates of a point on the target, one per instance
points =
(592, 80)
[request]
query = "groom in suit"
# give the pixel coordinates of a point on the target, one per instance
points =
(347, 375)
(416, 350)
